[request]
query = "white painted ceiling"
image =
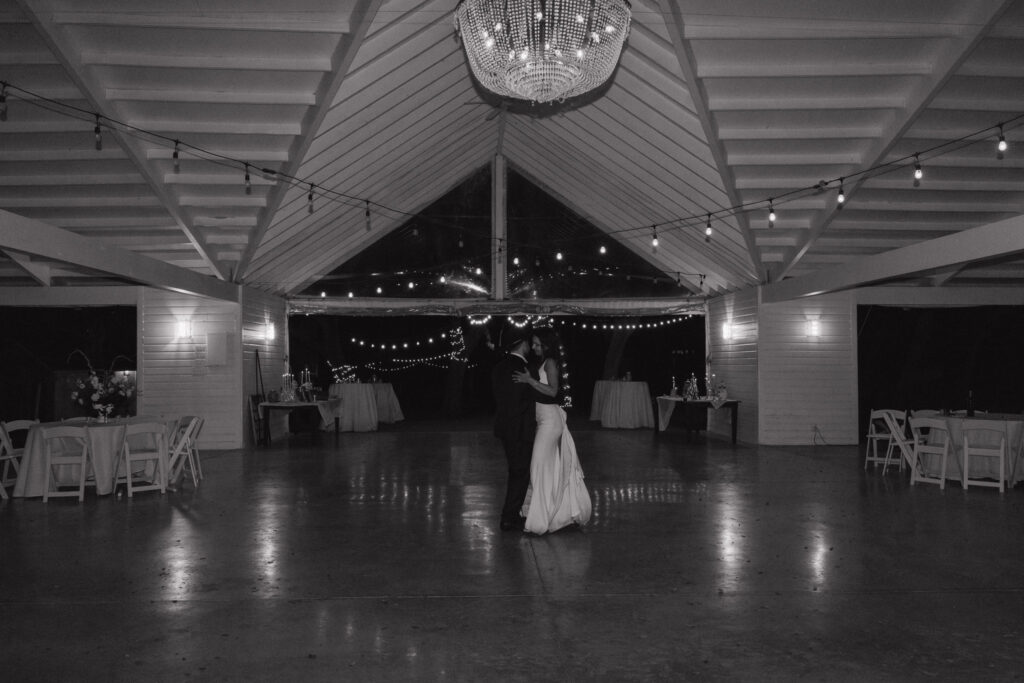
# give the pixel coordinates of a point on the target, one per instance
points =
(716, 105)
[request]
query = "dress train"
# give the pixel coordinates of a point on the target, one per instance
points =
(557, 496)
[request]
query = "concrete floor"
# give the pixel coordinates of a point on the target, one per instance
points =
(366, 557)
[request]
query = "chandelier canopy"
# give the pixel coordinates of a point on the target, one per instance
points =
(542, 50)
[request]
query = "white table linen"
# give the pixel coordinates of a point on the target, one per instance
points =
(1011, 426)
(358, 406)
(622, 405)
(388, 409)
(105, 440)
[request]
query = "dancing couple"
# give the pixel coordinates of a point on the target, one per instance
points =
(545, 489)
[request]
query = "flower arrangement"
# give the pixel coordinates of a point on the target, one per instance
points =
(103, 391)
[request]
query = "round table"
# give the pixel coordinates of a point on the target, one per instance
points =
(621, 404)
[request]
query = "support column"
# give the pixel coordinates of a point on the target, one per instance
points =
(499, 229)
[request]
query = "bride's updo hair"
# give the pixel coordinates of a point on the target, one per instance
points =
(549, 342)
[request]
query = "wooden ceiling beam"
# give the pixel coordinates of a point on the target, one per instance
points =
(54, 35)
(676, 27)
(362, 17)
(995, 240)
(982, 16)
(35, 238)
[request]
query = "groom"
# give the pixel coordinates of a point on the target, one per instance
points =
(514, 422)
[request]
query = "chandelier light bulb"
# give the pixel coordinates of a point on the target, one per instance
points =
(515, 47)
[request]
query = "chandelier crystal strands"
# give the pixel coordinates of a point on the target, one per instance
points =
(542, 50)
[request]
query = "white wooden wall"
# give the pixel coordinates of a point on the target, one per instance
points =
(808, 385)
(197, 375)
(735, 360)
(259, 310)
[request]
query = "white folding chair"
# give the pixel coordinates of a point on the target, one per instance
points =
(930, 438)
(895, 423)
(984, 446)
(184, 455)
(146, 443)
(65, 445)
(10, 455)
(879, 432)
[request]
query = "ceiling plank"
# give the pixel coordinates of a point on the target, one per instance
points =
(35, 238)
(955, 52)
(688, 64)
(61, 47)
(976, 244)
(361, 18)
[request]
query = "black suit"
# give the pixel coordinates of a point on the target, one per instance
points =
(514, 423)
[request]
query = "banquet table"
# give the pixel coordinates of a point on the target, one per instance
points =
(621, 404)
(667, 404)
(105, 440)
(388, 409)
(1011, 425)
(330, 412)
(358, 406)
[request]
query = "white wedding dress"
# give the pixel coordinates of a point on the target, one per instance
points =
(557, 496)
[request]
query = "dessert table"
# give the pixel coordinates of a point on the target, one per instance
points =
(667, 404)
(358, 406)
(388, 409)
(621, 404)
(105, 440)
(330, 412)
(1012, 427)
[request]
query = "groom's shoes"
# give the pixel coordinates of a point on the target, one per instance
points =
(517, 524)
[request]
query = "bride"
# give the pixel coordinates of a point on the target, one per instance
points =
(557, 496)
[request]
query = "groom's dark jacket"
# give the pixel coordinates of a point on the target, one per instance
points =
(514, 418)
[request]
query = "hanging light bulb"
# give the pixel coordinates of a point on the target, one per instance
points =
(176, 157)
(841, 197)
(248, 181)
(918, 172)
(558, 256)
(771, 213)
(3, 101)
(602, 250)
(368, 225)
(707, 230)
(654, 238)
(515, 260)
(1001, 145)
(98, 134)
(309, 199)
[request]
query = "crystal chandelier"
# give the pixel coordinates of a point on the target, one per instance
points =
(542, 50)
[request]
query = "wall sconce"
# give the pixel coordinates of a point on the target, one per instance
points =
(183, 328)
(269, 333)
(727, 331)
(813, 329)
